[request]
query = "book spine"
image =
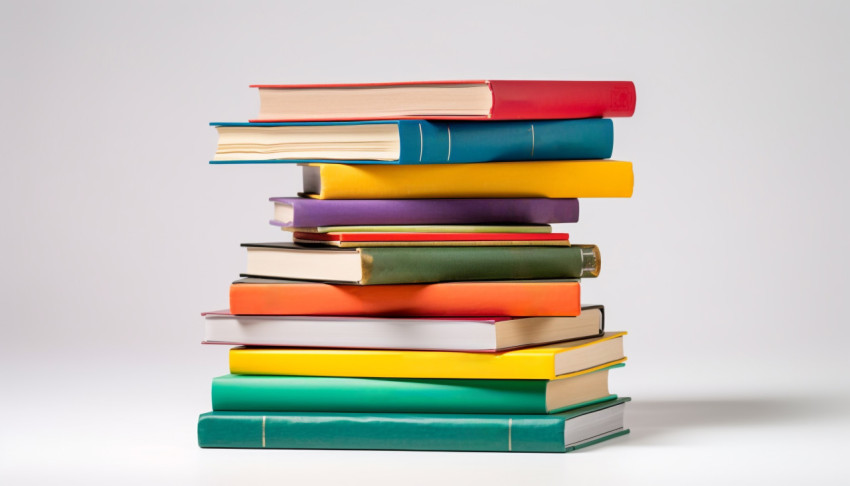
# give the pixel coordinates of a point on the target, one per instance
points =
(516, 100)
(308, 213)
(332, 394)
(433, 432)
(442, 299)
(424, 142)
(387, 265)
(552, 179)
(520, 364)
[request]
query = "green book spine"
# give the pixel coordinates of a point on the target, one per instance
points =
(449, 432)
(383, 265)
(379, 395)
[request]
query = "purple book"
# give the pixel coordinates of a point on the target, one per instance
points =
(308, 213)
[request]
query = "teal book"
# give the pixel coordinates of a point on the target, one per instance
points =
(400, 395)
(561, 432)
(413, 141)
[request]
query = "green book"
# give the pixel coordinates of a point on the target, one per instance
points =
(399, 395)
(561, 432)
(398, 265)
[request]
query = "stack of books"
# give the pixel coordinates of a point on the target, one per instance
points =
(424, 302)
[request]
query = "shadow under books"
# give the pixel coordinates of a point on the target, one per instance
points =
(653, 422)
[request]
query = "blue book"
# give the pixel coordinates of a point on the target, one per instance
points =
(413, 141)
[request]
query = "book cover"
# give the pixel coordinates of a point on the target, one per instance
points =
(403, 431)
(475, 334)
(393, 395)
(555, 179)
(493, 298)
(403, 265)
(538, 363)
(364, 239)
(300, 212)
(428, 228)
(418, 142)
(503, 100)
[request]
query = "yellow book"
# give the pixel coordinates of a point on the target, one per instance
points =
(553, 179)
(558, 360)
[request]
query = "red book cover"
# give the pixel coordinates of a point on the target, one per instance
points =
(512, 99)
(405, 237)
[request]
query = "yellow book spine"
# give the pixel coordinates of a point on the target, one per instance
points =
(553, 179)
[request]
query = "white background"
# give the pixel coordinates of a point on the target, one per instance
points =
(729, 266)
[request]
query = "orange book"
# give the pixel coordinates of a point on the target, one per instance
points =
(252, 296)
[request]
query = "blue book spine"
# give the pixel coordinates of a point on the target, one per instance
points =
(455, 142)
(434, 142)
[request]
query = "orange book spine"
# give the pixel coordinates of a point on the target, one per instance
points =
(484, 299)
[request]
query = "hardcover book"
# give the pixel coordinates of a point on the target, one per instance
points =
(427, 228)
(299, 212)
(555, 179)
(558, 360)
(370, 395)
(473, 100)
(449, 333)
(413, 141)
(561, 432)
(400, 265)
(254, 296)
(364, 239)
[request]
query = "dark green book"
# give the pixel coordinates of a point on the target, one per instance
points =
(420, 264)
(399, 395)
(561, 432)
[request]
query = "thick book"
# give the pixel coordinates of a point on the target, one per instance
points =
(462, 99)
(364, 239)
(253, 296)
(412, 141)
(402, 265)
(299, 212)
(370, 395)
(483, 334)
(561, 432)
(556, 179)
(558, 360)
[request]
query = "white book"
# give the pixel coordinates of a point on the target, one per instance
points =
(451, 334)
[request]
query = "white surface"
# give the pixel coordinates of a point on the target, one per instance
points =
(728, 267)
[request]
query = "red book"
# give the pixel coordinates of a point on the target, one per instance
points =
(432, 239)
(464, 100)
(252, 296)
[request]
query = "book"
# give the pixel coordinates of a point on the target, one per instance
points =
(561, 432)
(398, 265)
(555, 179)
(469, 99)
(298, 212)
(413, 141)
(370, 395)
(254, 296)
(487, 334)
(364, 239)
(426, 228)
(558, 360)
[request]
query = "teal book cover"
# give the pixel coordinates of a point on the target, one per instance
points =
(402, 431)
(421, 141)
(402, 395)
